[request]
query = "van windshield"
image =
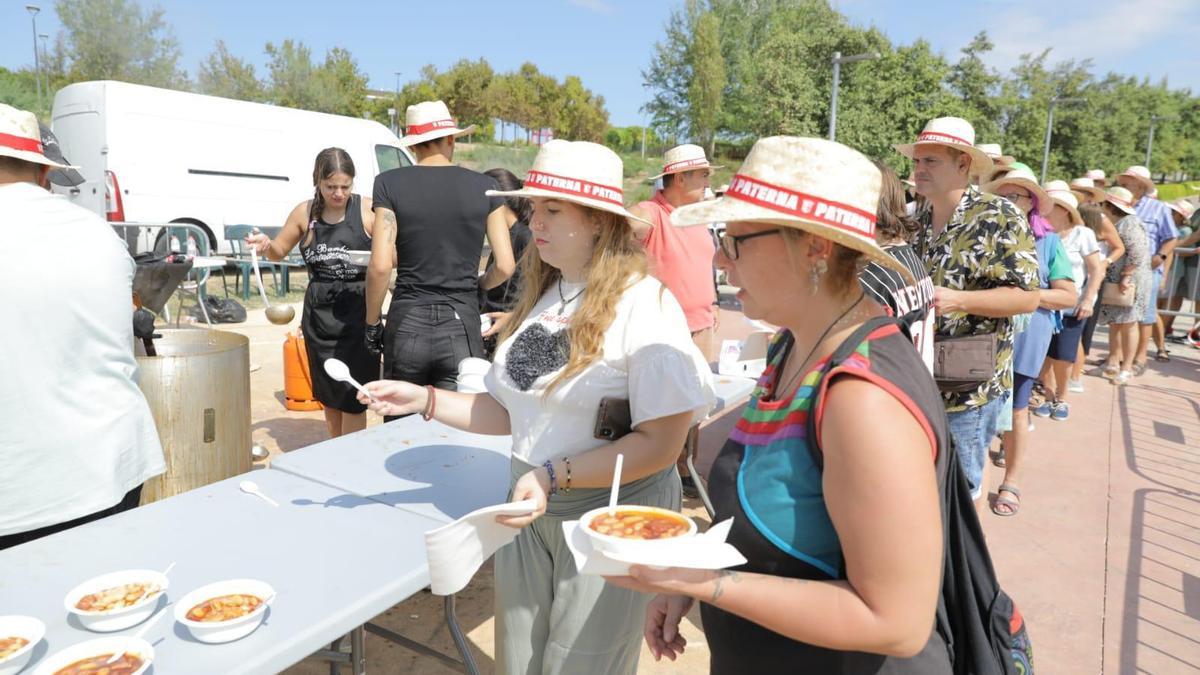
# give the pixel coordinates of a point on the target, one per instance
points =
(390, 157)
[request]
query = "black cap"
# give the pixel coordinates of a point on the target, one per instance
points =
(63, 177)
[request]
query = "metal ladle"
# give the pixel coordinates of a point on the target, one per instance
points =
(279, 314)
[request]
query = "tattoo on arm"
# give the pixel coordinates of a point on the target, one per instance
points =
(389, 225)
(719, 585)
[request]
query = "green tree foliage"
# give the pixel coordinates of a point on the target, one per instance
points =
(336, 86)
(117, 40)
(223, 74)
(707, 88)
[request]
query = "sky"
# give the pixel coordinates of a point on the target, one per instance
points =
(608, 43)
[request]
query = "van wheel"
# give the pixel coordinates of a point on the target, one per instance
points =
(162, 244)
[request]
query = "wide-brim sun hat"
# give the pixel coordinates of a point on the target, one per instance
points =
(682, 158)
(1060, 193)
(1183, 207)
(21, 138)
(428, 121)
(1096, 174)
(1021, 176)
(1120, 198)
(1084, 187)
(1140, 174)
(951, 132)
(810, 184)
(580, 172)
(998, 157)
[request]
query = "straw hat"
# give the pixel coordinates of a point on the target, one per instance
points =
(993, 150)
(427, 121)
(1085, 188)
(682, 158)
(1120, 198)
(1022, 176)
(810, 184)
(1183, 207)
(21, 138)
(583, 173)
(1140, 174)
(952, 132)
(1060, 193)
(1097, 174)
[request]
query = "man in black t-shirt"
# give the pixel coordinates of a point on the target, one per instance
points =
(431, 219)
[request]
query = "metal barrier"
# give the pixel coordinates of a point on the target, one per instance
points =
(1180, 291)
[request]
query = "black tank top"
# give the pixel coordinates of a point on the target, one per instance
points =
(327, 253)
(765, 479)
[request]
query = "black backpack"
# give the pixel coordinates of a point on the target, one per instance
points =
(974, 615)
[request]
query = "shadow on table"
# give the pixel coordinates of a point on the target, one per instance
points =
(1161, 627)
(293, 433)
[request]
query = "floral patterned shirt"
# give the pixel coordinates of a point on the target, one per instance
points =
(987, 244)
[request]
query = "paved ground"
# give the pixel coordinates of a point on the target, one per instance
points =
(1104, 558)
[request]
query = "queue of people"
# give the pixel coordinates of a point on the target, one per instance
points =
(938, 319)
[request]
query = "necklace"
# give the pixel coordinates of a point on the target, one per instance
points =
(800, 369)
(565, 300)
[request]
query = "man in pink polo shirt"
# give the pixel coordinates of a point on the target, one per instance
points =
(681, 258)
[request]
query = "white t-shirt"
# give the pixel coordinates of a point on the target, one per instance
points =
(1079, 243)
(76, 433)
(649, 358)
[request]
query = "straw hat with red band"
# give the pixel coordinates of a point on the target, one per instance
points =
(810, 184)
(1120, 198)
(1021, 176)
(951, 132)
(20, 138)
(1060, 193)
(428, 121)
(1086, 188)
(584, 173)
(1183, 207)
(682, 158)
(1139, 174)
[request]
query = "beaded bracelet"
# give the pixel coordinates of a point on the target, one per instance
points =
(567, 461)
(549, 467)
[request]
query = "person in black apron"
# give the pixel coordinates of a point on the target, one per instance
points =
(334, 223)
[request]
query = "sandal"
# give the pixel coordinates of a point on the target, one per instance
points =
(1162, 356)
(1139, 369)
(998, 458)
(1013, 505)
(1110, 371)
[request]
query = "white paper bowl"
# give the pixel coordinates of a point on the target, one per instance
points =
(23, 627)
(625, 547)
(104, 645)
(225, 631)
(360, 258)
(117, 619)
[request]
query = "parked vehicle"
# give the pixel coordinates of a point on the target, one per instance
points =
(160, 156)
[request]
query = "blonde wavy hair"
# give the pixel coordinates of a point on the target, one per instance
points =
(617, 262)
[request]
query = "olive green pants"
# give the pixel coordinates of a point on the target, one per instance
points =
(550, 620)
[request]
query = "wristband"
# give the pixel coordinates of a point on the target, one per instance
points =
(549, 467)
(430, 405)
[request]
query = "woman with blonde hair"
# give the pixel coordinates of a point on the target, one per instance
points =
(589, 326)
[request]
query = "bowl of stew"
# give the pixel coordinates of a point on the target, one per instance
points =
(88, 658)
(226, 610)
(18, 636)
(630, 528)
(117, 600)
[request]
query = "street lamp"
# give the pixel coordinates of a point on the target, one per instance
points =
(398, 102)
(1150, 140)
(1050, 129)
(46, 58)
(838, 60)
(37, 66)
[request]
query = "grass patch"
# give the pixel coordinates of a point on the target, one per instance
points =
(1172, 191)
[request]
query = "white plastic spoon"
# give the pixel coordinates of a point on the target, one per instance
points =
(338, 370)
(612, 497)
(251, 488)
(140, 634)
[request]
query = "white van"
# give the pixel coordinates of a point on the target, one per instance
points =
(157, 156)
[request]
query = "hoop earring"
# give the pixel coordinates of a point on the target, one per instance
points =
(815, 273)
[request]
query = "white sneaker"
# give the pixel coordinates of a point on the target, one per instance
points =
(1123, 377)
(1075, 386)
(1031, 425)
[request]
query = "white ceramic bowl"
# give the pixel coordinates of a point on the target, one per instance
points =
(117, 619)
(104, 645)
(625, 547)
(360, 258)
(23, 627)
(225, 631)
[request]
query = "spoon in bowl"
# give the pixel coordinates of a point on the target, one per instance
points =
(138, 635)
(338, 370)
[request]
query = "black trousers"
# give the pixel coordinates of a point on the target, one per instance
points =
(426, 348)
(129, 501)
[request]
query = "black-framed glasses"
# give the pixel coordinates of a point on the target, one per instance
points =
(1015, 197)
(729, 243)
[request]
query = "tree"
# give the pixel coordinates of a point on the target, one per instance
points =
(117, 40)
(223, 74)
(19, 89)
(580, 114)
(337, 86)
(978, 87)
(669, 74)
(707, 87)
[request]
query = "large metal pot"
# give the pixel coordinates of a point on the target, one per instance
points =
(198, 388)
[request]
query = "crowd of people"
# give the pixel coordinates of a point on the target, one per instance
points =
(952, 311)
